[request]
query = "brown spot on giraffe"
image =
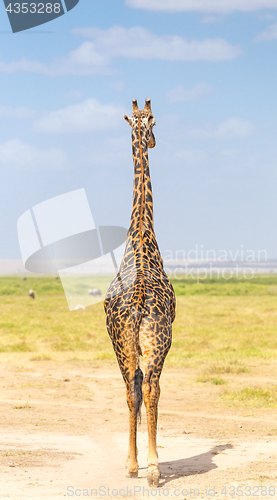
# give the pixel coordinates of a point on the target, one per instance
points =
(140, 302)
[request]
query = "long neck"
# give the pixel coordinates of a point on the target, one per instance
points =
(142, 211)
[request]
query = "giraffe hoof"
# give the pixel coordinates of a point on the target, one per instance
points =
(153, 479)
(131, 474)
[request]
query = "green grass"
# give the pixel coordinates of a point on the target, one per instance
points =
(44, 286)
(226, 367)
(259, 285)
(49, 285)
(213, 380)
(223, 331)
(217, 333)
(223, 334)
(254, 396)
(45, 325)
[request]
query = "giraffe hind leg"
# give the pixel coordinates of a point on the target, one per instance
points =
(132, 462)
(134, 403)
(154, 355)
(133, 381)
(151, 394)
(122, 340)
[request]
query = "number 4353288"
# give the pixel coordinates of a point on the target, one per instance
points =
(34, 8)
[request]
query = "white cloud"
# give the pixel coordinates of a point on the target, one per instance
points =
(16, 112)
(140, 43)
(265, 16)
(182, 94)
(22, 65)
(269, 34)
(15, 153)
(223, 6)
(233, 128)
(110, 151)
(74, 94)
(210, 19)
(84, 60)
(118, 85)
(87, 116)
(95, 57)
(191, 157)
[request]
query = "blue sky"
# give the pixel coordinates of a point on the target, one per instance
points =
(210, 69)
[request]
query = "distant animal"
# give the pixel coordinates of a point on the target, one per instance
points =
(32, 294)
(79, 306)
(24, 278)
(140, 302)
(95, 291)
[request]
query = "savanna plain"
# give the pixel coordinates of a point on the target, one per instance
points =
(64, 418)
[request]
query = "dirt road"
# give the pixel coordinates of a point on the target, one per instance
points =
(64, 434)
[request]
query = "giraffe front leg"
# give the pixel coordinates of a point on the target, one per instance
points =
(151, 394)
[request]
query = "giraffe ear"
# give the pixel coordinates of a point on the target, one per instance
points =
(151, 121)
(129, 120)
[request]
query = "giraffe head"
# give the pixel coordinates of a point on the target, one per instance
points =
(146, 120)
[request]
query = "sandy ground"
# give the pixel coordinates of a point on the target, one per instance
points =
(64, 434)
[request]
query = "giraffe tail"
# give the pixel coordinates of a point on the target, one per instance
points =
(138, 392)
(136, 317)
(138, 378)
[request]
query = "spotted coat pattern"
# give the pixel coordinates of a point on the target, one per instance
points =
(140, 302)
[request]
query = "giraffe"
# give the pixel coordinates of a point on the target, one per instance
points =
(140, 302)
